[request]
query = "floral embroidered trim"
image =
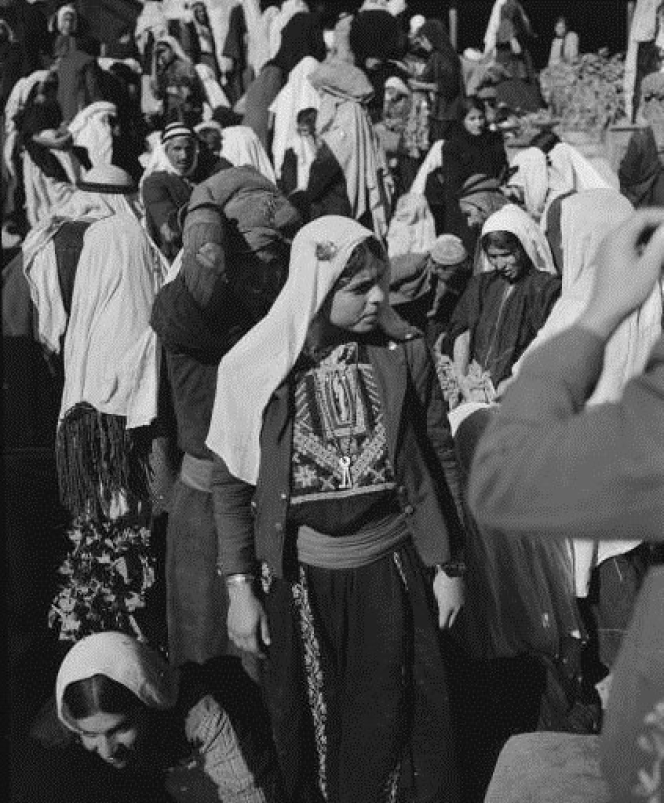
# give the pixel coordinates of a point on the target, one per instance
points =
(314, 675)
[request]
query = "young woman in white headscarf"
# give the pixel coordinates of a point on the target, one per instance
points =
(132, 728)
(346, 563)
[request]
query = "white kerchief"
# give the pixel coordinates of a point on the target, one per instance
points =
(513, 219)
(123, 659)
(263, 358)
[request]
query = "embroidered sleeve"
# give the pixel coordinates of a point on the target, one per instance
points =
(209, 727)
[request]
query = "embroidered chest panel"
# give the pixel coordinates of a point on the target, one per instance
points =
(339, 437)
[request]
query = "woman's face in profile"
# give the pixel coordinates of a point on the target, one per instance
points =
(355, 305)
(116, 738)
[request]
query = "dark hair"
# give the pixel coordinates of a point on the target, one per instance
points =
(469, 103)
(307, 117)
(507, 241)
(84, 698)
(561, 18)
(358, 259)
(546, 141)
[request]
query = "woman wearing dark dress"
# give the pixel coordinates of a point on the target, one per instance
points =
(470, 149)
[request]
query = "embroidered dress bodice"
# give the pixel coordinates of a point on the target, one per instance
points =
(339, 452)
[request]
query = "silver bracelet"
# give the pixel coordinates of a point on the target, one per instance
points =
(239, 579)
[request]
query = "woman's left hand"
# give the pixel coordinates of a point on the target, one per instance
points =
(450, 595)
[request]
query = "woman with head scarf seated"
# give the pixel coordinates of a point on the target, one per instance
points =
(130, 728)
(176, 165)
(340, 437)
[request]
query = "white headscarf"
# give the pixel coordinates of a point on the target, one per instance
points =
(586, 219)
(298, 94)
(259, 363)
(123, 659)
(91, 129)
(111, 357)
(62, 12)
(513, 219)
(533, 176)
(39, 256)
(151, 20)
(175, 46)
(569, 167)
(492, 27)
(241, 146)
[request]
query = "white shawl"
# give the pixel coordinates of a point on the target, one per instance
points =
(110, 352)
(263, 358)
(513, 219)
(241, 146)
(91, 129)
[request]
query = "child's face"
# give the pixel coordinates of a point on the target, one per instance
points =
(355, 306)
(306, 130)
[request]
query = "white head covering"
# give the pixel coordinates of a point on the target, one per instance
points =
(533, 175)
(298, 94)
(259, 363)
(569, 168)
(513, 219)
(175, 46)
(151, 20)
(416, 22)
(91, 129)
(62, 12)
(123, 659)
(492, 27)
(586, 219)
(241, 146)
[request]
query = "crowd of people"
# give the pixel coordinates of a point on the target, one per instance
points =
(391, 397)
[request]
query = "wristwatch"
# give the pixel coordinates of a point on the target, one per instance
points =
(452, 568)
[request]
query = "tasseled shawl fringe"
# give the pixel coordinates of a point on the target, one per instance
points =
(98, 460)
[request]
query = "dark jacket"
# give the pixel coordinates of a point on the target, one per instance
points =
(253, 521)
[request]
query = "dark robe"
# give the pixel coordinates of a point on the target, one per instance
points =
(501, 329)
(641, 170)
(326, 192)
(464, 155)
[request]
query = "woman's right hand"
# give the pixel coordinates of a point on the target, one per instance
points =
(247, 620)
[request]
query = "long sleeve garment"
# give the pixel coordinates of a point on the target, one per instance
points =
(502, 326)
(551, 467)
(421, 451)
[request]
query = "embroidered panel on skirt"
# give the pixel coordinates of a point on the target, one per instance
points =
(339, 437)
